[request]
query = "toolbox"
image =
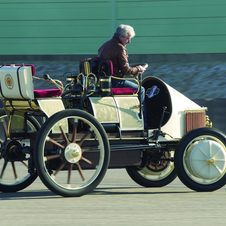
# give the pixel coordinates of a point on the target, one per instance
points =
(16, 82)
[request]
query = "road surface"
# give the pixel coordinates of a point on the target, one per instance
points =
(116, 201)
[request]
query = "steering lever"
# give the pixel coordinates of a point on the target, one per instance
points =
(158, 131)
(161, 120)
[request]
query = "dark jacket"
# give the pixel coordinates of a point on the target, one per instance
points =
(114, 50)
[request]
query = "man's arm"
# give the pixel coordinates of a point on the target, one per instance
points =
(124, 64)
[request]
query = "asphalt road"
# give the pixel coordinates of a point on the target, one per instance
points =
(116, 201)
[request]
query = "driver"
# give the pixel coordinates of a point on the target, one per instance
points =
(115, 50)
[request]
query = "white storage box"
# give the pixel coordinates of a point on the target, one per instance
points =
(16, 82)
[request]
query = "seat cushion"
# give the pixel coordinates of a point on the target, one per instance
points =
(123, 91)
(40, 93)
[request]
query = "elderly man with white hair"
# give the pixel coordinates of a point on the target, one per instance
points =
(115, 50)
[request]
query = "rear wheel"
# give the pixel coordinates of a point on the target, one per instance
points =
(72, 153)
(14, 175)
(200, 159)
(157, 173)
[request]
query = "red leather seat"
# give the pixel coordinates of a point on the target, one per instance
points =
(40, 93)
(123, 91)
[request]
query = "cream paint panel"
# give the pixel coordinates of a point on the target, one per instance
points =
(52, 106)
(128, 108)
(176, 125)
(104, 109)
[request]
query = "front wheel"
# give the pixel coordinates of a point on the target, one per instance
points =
(72, 153)
(200, 159)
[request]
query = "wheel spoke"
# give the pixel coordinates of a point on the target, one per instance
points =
(4, 126)
(3, 168)
(69, 173)
(86, 160)
(197, 159)
(218, 169)
(25, 163)
(55, 143)
(51, 157)
(64, 135)
(80, 171)
(90, 148)
(60, 167)
(83, 138)
(204, 153)
(14, 170)
(74, 131)
(219, 160)
(218, 152)
(86, 149)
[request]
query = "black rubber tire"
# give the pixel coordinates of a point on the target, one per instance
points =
(142, 179)
(29, 178)
(185, 175)
(59, 187)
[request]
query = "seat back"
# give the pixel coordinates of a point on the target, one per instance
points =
(96, 66)
(103, 69)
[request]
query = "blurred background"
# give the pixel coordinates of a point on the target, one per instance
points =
(183, 41)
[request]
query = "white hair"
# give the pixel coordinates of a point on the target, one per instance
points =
(124, 30)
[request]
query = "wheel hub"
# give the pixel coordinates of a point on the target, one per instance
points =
(206, 159)
(211, 160)
(157, 161)
(12, 150)
(73, 153)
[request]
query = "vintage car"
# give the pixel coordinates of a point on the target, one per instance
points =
(71, 135)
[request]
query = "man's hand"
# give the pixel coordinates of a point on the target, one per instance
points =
(141, 69)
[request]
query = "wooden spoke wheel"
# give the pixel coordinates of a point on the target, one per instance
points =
(14, 175)
(72, 153)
